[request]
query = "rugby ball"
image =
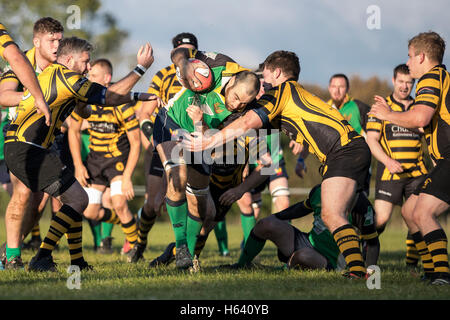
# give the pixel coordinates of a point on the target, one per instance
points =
(203, 74)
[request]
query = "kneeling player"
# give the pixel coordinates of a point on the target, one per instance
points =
(316, 249)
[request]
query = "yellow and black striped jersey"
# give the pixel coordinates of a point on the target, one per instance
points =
(62, 89)
(229, 175)
(5, 40)
(108, 127)
(433, 90)
(305, 118)
(10, 76)
(399, 144)
(165, 85)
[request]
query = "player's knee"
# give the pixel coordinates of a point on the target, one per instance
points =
(281, 203)
(406, 212)
(265, 226)
(120, 206)
(299, 259)
(22, 194)
(419, 216)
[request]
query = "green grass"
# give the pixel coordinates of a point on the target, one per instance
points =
(113, 278)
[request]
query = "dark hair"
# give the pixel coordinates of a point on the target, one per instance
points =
(73, 45)
(287, 61)
(401, 68)
(341, 75)
(184, 38)
(104, 63)
(249, 78)
(47, 25)
(430, 43)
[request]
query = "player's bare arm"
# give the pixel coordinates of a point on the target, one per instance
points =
(373, 140)
(417, 117)
(119, 92)
(74, 136)
(24, 71)
(9, 96)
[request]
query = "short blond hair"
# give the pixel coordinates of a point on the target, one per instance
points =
(430, 43)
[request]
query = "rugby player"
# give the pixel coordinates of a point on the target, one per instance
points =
(232, 89)
(28, 139)
(250, 203)
(353, 110)
(310, 122)
(25, 207)
(114, 151)
(317, 248)
(227, 185)
(400, 159)
(430, 111)
(165, 85)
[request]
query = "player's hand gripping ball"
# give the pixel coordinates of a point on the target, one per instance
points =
(202, 76)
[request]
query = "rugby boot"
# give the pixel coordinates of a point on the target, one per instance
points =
(165, 258)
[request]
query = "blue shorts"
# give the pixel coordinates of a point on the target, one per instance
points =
(166, 129)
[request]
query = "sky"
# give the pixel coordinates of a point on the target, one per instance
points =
(328, 36)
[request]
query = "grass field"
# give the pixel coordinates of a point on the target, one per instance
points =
(113, 278)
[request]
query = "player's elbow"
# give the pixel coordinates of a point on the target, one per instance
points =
(422, 121)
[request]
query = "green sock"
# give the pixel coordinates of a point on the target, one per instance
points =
(96, 228)
(107, 229)
(253, 247)
(12, 253)
(178, 213)
(220, 230)
(194, 225)
(248, 221)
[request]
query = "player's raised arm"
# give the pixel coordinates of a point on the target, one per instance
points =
(119, 92)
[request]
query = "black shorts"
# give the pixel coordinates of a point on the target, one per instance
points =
(221, 210)
(156, 167)
(350, 161)
(102, 170)
(4, 173)
(38, 168)
(61, 147)
(301, 240)
(281, 173)
(437, 182)
(165, 128)
(395, 191)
